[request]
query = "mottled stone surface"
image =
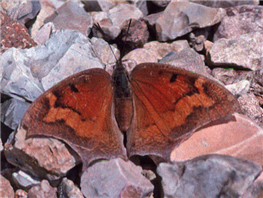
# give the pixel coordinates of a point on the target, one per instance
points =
(208, 176)
(6, 190)
(181, 17)
(240, 20)
(115, 178)
(43, 190)
(14, 34)
(244, 51)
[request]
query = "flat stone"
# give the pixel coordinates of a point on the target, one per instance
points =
(180, 17)
(79, 19)
(239, 88)
(24, 180)
(240, 20)
(12, 111)
(244, 51)
(114, 20)
(115, 178)
(141, 55)
(42, 157)
(208, 176)
(226, 76)
(21, 11)
(241, 137)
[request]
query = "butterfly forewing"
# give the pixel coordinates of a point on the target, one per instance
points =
(79, 111)
(170, 104)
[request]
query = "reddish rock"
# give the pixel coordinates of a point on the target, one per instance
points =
(241, 138)
(14, 34)
(68, 189)
(256, 190)
(226, 76)
(21, 194)
(6, 190)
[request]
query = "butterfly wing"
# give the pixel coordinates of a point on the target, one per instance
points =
(79, 111)
(169, 105)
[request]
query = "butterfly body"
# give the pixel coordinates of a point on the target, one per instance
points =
(156, 105)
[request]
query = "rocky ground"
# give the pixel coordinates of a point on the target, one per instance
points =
(45, 41)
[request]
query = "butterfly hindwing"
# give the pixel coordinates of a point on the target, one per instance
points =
(170, 104)
(79, 111)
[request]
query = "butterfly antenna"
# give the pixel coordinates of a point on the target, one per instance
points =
(125, 38)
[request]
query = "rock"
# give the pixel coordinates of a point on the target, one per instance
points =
(115, 178)
(24, 180)
(106, 5)
(27, 73)
(14, 34)
(43, 190)
(251, 108)
(103, 51)
(226, 76)
(42, 157)
(222, 138)
(163, 3)
(21, 194)
(160, 50)
(239, 88)
(68, 189)
(240, 20)
(21, 11)
(6, 190)
(244, 51)
(47, 9)
(226, 3)
(187, 59)
(179, 18)
(256, 190)
(1, 144)
(197, 42)
(208, 176)
(141, 55)
(136, 35)
(44, 33)
(113, 21)
(12, 112)
(79, 19)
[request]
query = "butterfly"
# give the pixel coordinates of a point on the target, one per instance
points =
(148, 111)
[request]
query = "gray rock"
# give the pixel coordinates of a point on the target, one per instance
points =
(240, 20)
(239, 88)
(187, 59)
(41, 157)
(141, 55)
(180, 18)
(24, 180)
(68, 189)
(12, 112)
(106, 5)
(244, 51)
(160, 50)
(208, 176)
(79, 19)
(21, 11)
(43, 190)
(64, 54)
(112, 21)
(115, 178)
(44, 33)
(226, 3)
